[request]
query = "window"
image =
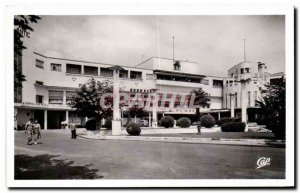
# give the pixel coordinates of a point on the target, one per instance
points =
(135, 75)
(242, 70)
(247, 70)
(39, 82)
(204, 81)
(73, 69)
(55, 97)
(69, 96)
(55, 67)
(106, 72)
(249, 98)
(149, 76)
(39, 99)
(235, 96)
(255, 97)
(217, 83)
(90, 70)
(123, 73)
(39, 63)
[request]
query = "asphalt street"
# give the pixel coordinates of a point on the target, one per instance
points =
(60, 157)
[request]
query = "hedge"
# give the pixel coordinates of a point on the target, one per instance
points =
(233, 127)
(133, 129)
(184, 122)
(207, 121)
(167, 121)
(227, 120)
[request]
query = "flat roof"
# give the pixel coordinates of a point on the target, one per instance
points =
(89, 62)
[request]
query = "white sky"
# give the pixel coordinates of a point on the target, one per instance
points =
(214, 42)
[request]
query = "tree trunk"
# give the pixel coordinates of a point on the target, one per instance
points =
(197, 114)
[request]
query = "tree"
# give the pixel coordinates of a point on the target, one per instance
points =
(136, 111)
(87, 100)
(272, 105)
(201, 99)
(22, 29)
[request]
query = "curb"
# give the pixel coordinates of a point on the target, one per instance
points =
(221, 141)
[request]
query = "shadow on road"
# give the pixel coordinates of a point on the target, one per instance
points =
(45, 167)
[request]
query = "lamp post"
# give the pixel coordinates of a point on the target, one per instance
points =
(116, 122)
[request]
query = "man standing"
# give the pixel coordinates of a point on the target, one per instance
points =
(73, 130)
(37, 131)
(29, 130)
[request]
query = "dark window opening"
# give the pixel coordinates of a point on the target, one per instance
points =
(39, 98)
(91, 70)
(73, 69)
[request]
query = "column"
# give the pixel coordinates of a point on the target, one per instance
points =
(99, 71)
(154, 111)
(149, 119)
(82, 69)
(116, 123)
(232, 105)
(67, 119)
(243, 103)
(219, 116)
(45, 119)
(64, 97)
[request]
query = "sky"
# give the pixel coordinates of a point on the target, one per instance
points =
(214, 42)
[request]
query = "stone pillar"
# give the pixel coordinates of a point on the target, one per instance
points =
(67, 119)
(64, 97)
(154, 111)
(82, 69)
(149, 119)
(219, 116)
(99, 71)
(116, 122)
(243, 103)
(232, 105)
(45, 119)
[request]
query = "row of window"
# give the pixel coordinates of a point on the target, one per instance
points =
(235, 99)
(92, 70)
(56, 97)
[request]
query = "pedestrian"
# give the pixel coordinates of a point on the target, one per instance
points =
(37, 131)
(73, 130)
(29, 131)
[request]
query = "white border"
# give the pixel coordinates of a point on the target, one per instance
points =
(152, 10)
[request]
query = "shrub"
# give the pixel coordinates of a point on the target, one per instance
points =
(227, 120)
(90, 125)
(233, 127)
(184, 122)
(167, 121)
(207, 121)
(108, 123)
(133, 129)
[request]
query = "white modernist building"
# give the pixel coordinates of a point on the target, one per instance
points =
(50, 83)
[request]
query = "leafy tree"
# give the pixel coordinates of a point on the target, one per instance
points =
(87, 100)
(136, 111)
(201, 99)
(272, 105)
(22, 29)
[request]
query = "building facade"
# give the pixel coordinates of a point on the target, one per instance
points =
(51, 82)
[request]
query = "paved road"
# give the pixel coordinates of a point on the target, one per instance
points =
(112, 159)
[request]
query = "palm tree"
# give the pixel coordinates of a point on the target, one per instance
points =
(272, 105)
(201, 99)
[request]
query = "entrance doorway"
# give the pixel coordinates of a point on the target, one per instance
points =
(55, 118)
(39, 116)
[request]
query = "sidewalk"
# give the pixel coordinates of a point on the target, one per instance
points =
(216, 138)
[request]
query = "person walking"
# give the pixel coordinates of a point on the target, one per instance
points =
(37, 131)
(73, 130)
(29, 131)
